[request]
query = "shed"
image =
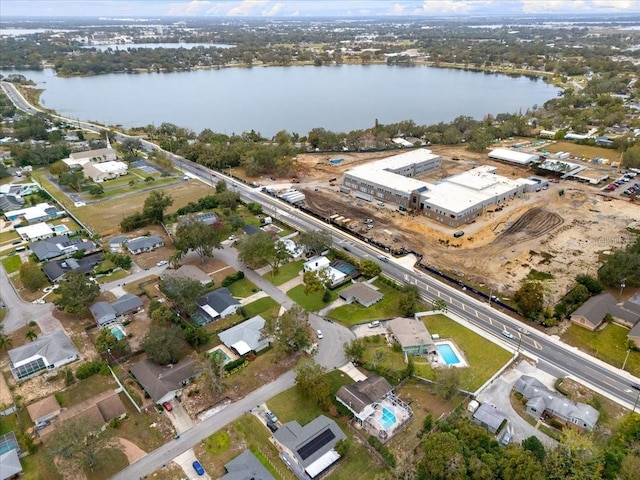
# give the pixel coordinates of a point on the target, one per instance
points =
(489, 417)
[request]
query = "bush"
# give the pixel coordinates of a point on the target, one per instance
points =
(229, 279)
(382, 450)
(234, 364)
(89, 369)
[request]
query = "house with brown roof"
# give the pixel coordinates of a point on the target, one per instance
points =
(360, 292)
(43, 411)
(164, 382)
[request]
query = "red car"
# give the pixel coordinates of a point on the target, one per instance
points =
(167, 406)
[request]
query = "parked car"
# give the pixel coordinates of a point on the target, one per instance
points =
(162, 263)
(272, 426)
(198, 468)
(374, 324)
(167, 406)
(507, 334)
(319, 333)
(271, 416)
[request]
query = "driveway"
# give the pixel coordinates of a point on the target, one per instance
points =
(179, 417)
(185, 460)
(497, 394)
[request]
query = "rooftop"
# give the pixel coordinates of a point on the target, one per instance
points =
(409, 332)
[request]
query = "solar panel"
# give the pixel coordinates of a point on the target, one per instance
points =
(315, 444)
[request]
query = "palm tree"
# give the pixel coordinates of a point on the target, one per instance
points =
(31, 334)
(5, 342)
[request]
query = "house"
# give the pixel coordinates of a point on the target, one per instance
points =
(163, 383)
(11, 195)
(362, 293)
(103, 313)
(101, 172)
(208, 218)
(489, 417)
(246, 336)
(60, 245)
(323, 264)
(293, 249)
(33, 233)
(311, 447)
(56, 269)
(37, 213)
(190, 272)
(542, 402)
(10, 466)
(591, 313)
(412, 335)
(218, 304)
(360, 397)
(144, 244)
(96, 411)
(43, 411)
(79, 159)
(246, 466)
(250, 229)
(116, 244)
(48, 352)
(126, 304)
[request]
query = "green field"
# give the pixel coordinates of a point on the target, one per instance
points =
(484, 357)
(585, 151)
(265, 306)
(286, 272)
(354, 313)
(312, 302)
(609, 345)
(242, 288)
(12, 263)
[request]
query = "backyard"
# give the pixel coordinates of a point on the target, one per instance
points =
(608, 344)
(312, 302)
(474, 347)
(354, 313)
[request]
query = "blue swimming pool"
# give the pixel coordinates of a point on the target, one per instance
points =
(60, 229)
(222, 353)
(447, 353)
(388, 419)
(117, 332)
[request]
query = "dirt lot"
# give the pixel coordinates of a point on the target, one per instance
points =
(561, 235)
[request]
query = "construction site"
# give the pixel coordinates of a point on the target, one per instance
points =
(560, 231)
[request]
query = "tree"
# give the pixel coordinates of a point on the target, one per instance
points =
(535, 446)
(96, 190)
(212, 370)
(408, 300)
(164, 345)
(447, 381)
(32, 276)
(155, 205)
(73, 179)
(130, 146)
(107, 343)
(290, 331)
(229, 199)
(58, 168)
(75, 292)
(369, 268)
(221, 186)
(312, 382)
(31, 335)
(183, 293)
(593, 284)
(5, 342)
(530, 298)
(192, 234)
(354, 350)
(440, 305)
(315, 242)
(261, 249)
(78, 442)
(444, 457)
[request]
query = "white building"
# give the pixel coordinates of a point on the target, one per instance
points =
(32, 233)
(323, 264)
(512, 156)
(47, 352)
(99, 172)
(79, 159)
(37, 213)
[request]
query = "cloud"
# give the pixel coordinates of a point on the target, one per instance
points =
(454, 6)
(397, 9)
(578, 6)
(194, 7)
(273, 11)
(247, 8)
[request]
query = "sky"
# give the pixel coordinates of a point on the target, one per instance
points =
(307, 8)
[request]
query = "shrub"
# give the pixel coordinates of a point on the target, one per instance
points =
(89, 369)
(229, 279)
(234, 364)
(382, 450)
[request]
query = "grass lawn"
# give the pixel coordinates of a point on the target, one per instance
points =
(312, 302)
(585, 151)
(379, 355)
(117, 275)
(12, 263)
(473, 346)
(242, 288)
(8, 236)
(355, 313)
(287, 272)
(85, 389)
(265, 306)
(133, 287)
(609, 345)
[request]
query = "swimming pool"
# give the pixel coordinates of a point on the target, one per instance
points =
(117, 332)
(446, 352)
(219, 351)
(388, 419)
(60, 229)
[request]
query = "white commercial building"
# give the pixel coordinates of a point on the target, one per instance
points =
(32, 233)
(512, 156)
(79, 159)
(99, 172)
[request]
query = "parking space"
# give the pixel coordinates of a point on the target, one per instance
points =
(185, 460)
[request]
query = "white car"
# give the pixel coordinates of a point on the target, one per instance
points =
(319, 333)
(162, 263)
(523, 331)
(507, 334)
(374, 324)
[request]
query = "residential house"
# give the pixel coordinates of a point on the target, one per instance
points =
(11, 195)
(250, 229)
(163, 383)
(360, 397)
(144, 244)
(79, 159)
(43, 411)
(126, 304)
(412, 335)
(246, 466)
(190, 272)
(293, 249)
(246, 336)
(323, 264)
(542, 402)
(116, 244)
(96, 412)
(56, 269)
(311, 447)
(208, 218)
(37, 213)
(33, 233)
(363, 293)
(218, 304)
(103, 313)
(60, 245)
(10, 466)
(489, 417)
(101, 172)
(48, 352)
(591, 313)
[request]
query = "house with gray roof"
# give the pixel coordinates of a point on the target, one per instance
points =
(311, 447)
(360, 292)
(44, 410)
(542, 402)
(489, 417)
(48, 352)
(116, 244)
(218, 304)
(163, 382)
(360, 397)
(591, 313)
(246, 336)
(246, 466)
(126, 304)
(190, 272)
(144, 244)
(103, 313)
(412, 335)
(60, 245)
(56, 269)
(10, 466)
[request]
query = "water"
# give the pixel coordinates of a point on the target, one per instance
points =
(447, 353)
(60, 229)
(223, 354)
(117, 332)
(126, 46)
(296, 99)
(388, 419)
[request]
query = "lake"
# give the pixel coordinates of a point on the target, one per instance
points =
(296, 99)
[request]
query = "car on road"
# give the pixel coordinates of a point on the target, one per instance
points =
(523, 331)
(374, 324)
(271, 416)
(507, 334)
(232, 237)
(319, 333)
(198, 468)
(167, 406)
(162, 263)
(346, 249)
(382, 258)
